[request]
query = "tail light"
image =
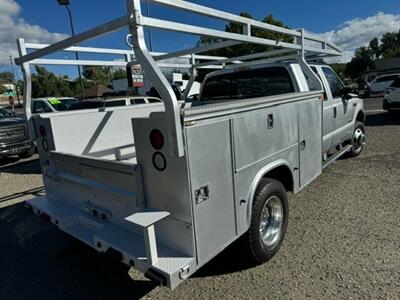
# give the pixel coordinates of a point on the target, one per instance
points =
(156, 139)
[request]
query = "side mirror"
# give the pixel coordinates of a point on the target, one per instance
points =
(347, 93)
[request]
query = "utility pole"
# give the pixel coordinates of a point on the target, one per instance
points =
(66, 3)
(14, 79)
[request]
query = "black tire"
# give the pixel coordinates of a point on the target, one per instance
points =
(27, 154)
(259, 252)
(356, 148)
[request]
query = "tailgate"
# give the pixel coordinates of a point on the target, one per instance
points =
(104, 183)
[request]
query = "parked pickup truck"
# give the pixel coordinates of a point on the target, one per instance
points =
(167, 186)
(14, 138)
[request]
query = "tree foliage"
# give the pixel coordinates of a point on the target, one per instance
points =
(99, 75)
(362, 61)
(45, 84)
(119, 74)
(387, 47)
(6, 77)
(2, 89)
(244, 49)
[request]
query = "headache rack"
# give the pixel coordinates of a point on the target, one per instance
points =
(304, 46)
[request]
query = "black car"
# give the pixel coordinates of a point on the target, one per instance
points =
(14, 137)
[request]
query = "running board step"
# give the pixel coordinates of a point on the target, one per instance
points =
(336, 156)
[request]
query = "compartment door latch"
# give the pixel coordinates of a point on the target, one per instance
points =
(202, 194)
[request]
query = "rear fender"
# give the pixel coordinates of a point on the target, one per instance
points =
(261, 174)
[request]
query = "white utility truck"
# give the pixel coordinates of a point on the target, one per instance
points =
(168, 186)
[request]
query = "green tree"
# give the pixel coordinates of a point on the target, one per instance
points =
(119, 74)
(390, 45)
(99, 75)
(2, 89)
(7, 77)
(20, 87)
(340, 69)
(244, 49)
(361, 62)
(47, 84)
(375, 48)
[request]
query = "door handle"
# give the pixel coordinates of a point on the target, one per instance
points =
(334, 112)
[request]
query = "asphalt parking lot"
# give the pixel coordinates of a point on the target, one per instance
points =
(343, 240)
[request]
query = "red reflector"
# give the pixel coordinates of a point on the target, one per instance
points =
(156, 139)
(42, 131)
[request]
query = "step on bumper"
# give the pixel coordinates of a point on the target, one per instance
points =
(138, 250)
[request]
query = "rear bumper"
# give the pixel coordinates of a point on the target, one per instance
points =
(105, 236)
(15, 148)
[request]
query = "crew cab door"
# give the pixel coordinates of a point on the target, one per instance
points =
(340, 110)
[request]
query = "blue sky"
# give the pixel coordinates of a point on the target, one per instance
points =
(347, 23)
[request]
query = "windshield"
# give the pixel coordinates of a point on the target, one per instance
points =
(68, 101)
(57, 104)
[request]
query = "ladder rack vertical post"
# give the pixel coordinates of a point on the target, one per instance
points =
(153, 72)
(26, 71)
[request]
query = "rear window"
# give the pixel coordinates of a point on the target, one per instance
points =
(248, 84)
(138, 101)
(396, 83)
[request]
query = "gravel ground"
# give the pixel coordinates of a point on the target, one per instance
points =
(343, 242)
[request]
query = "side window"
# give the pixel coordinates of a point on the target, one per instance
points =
(140, 101)
(310, 84)
(153, 100)
(38, 107)
(115, 103)
(334, 82)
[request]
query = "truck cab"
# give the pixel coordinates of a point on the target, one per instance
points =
(341, 111)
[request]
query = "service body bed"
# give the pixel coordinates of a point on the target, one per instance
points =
(228, 149)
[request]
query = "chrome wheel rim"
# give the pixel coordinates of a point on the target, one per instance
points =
(271, 221)
(358, 139)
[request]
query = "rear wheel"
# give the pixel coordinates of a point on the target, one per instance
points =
(358, 140)
(269, 220)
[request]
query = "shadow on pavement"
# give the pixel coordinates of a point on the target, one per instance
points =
(31, 192)
(38, 261)
(23, 168)
(231, 260)
(383, 119)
